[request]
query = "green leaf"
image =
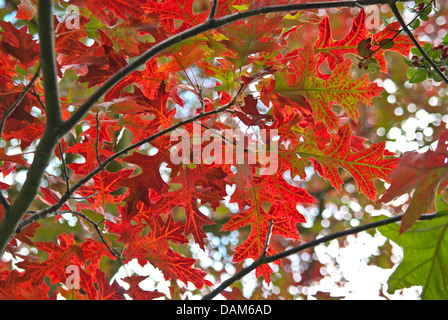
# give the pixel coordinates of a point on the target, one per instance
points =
(417, 75)
(424, 17)
(386, 43)
(416, 52)
(441, 205)
(362, 50)
(372, 65)
(415, 24)
(425, 257)
(445, 38)
(435, 76)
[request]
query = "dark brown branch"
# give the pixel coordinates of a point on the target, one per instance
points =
(213, 6)
(64, 168)
(52, 132)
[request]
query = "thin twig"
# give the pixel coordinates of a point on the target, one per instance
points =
(64, 168)
(397, 14)
(99, 231)
(35, 216)
(97, 139)
(213, 6)
(37, 96)
(268, 239)
(86, 197)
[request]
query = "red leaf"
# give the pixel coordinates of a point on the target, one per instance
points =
(27, 9)
(19, 44)
(301, 83)
(121, 8)
(62, 254)
(283, 199)
(334, 51)
(250, 115)
(140, 185)
(426, 172)
(365, 166)
(136, 292)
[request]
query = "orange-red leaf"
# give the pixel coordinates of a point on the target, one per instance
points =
(426, 172)
(301, 81)
(365, 166)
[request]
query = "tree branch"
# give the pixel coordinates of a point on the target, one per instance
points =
(243, 272)
(397, 14)
(48, 62)
(213, 6)
(50, 137)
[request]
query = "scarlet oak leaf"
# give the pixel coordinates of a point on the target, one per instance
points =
(62, 254)
(250, 115)
(155, 249)
(334, 51)
(26, 9)
(136, 292)
(401, 43)
(19, 44)
(301, 83)
(188, 197)
(282, 198)
(365, 166)
(121, 8)
(13, 288)
(106, 64)
(105, 183)
(94, 286)
(140, 185)
(426, 172)
(249, 37)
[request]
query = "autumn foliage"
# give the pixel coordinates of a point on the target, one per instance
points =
(114, 171)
